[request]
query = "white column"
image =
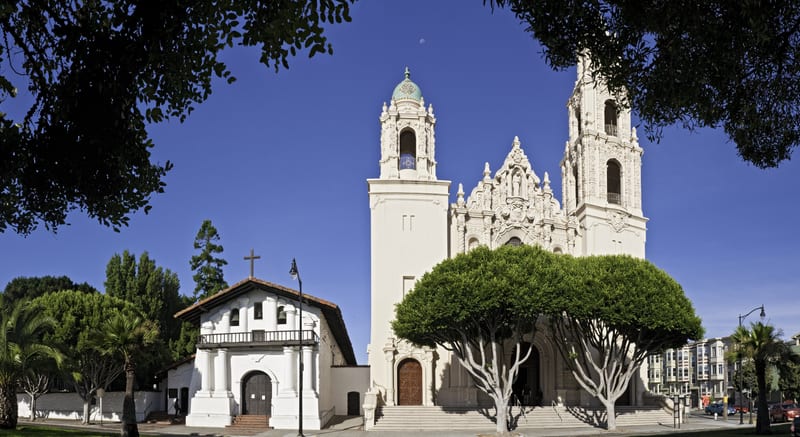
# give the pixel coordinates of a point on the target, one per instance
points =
(205, 369)
(225, 324)
(221, 372)
(243, 315)
(271, 313)
(291, 319)
(388, 353)
(289, 370)
(308, 369)
(428, 376)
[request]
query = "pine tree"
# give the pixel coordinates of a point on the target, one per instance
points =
(208, 275)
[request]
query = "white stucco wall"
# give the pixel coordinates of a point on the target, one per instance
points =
(69, 406)
(346, 379)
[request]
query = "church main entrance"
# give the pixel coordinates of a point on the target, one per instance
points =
(257, 394)
(527, 387)
(409, 382)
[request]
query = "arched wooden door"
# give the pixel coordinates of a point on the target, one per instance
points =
(409, 382)
(257, 394)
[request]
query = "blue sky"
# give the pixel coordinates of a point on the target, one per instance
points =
(279, 163)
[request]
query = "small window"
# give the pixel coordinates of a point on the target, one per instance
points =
(514, 241)
(281, 315)
(173, 393)
(258, 311)
(408, 150)
(577, 190)
(235, 317)
(613, 182)
(611, 118)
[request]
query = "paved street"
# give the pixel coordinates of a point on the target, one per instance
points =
(351, 427)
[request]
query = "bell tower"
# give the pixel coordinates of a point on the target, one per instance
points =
(408, 235)
(601, 170)
(407, 140)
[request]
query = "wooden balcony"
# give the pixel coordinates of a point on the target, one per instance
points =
(258, 338)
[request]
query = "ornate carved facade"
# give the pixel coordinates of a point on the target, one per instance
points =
(412, 229)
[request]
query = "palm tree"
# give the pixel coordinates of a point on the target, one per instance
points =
(127, 338)
(21, 331)
(762, 344)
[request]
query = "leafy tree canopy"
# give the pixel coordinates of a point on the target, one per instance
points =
(479, 303)
(762, 344)
(208, 276)
(152, 289)
(99, 71)
(22, 332)
(715, 63)
(33, 287)
(79, 314)
(607, 314)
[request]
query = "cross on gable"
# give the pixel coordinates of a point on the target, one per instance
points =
(252, 258)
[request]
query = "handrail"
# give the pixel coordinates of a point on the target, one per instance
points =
(554, 404)
(259, 336)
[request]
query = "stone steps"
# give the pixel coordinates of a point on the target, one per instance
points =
(446, 418)
(248, 424)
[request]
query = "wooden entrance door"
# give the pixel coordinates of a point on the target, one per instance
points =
(257, 394)
(409, 383)
(353, 404)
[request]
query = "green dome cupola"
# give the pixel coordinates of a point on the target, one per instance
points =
(407, 89)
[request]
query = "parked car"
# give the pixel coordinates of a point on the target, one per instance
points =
(784, 412)
(718, 408)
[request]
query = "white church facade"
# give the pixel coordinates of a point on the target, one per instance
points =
(252, 340)
(252, 336)
(413, 227)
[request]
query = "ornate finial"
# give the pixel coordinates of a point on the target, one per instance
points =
(408, 73)
(384, 107)
(633, 134)
(460, 200)
(516, 142)
(546, 180)
(430, 109)
(486, 172)
(422, 101)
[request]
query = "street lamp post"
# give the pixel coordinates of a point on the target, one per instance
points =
(741, 372)
(296, 275)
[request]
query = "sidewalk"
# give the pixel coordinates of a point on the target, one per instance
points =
(351, 427)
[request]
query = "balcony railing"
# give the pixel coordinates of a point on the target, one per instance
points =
(614, 198)
(258, 338)
(611, 129)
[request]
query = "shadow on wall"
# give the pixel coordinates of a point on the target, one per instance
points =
(69, 406)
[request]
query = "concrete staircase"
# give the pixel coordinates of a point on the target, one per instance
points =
(397, 418)
(248, 425)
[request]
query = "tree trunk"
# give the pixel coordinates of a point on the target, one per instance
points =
(611, 414)
(762, 419)
(129, 426)
(33, 407)
(86, 406)
(501, 415)
(8, 406)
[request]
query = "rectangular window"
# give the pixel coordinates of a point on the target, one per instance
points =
(408, 284)
(258, 311)
(173, 393)
(281, 315)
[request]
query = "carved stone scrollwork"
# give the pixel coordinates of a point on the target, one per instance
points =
(618, 220)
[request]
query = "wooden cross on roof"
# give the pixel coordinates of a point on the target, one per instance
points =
(252, 259)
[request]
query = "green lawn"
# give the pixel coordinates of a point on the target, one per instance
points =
(49, 431)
